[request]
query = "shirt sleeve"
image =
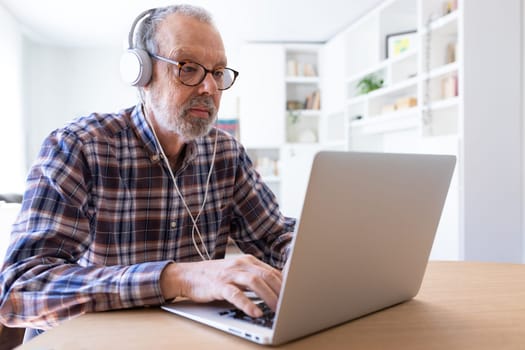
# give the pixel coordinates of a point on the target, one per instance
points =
(259, 228)
(41, 282)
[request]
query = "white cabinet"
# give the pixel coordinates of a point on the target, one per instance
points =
(262, 97)
(450, 84)
(280, 113)
(413, 55)
(297, 162)
(303, 95)
(332, 61)
(280, 96)
(442, 93)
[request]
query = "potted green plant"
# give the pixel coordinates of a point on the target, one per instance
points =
(369, 83)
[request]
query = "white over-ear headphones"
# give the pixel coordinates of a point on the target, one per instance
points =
(135, 64)
(135, 68)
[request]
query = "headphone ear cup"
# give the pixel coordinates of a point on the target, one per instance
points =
(135, 67)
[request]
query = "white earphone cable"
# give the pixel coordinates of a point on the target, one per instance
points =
(195, 228)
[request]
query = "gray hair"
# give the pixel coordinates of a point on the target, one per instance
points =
(145, 35)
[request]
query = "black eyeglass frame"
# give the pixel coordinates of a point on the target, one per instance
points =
(206, 70)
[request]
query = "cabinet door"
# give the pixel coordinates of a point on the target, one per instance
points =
(333, 128)
(332, 68)
(296, 163)
(262, 96)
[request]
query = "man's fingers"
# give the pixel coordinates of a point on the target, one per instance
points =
(257, 285)
(235, 296)
(273, 279)
(260, 278)
(270, 275)
(224, 279)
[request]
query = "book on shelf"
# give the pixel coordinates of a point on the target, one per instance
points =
(317, 100)
(291, 68)
(313, 100)
(400, 104)
(300, 69)
(266, 166)
(451, 52)
(231, 126)
(292, 105)
(309, 70)
(449, 87)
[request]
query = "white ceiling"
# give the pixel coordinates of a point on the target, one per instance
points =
(106, 22)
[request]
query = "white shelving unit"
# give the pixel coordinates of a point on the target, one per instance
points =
(448, 70)
(409, 113)
(281, 115)
(303, 119)
(455, 90)
(303, 101)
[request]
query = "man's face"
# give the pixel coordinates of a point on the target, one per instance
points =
(189, 111)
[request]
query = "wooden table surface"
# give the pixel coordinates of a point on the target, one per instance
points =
(461, 305)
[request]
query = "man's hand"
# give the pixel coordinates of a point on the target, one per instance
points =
(224, 280)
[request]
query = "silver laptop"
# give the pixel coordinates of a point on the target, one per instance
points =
(366, 230)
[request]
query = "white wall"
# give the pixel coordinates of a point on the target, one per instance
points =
(492, 137)
(12, 174)
(8, 213)
(64, 83)
(523, 126)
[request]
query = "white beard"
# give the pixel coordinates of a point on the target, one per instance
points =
(181, 123)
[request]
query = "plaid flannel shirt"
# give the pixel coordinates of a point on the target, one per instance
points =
(101, 219)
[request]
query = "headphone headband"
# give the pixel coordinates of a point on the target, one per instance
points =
(135, 64)
(141, 16)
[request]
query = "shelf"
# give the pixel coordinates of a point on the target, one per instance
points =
(443, 70)
(305, 112)
(382, 65)
(392, 89)
(395, 114)
(388, 90)
(395, 121)
(401, 57)
(356, 100)
(301, 80)
(446, 24)
(443, 104)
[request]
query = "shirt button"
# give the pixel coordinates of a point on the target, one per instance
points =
(173, 224)
(154, 158)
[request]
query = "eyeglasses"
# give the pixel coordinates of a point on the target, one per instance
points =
(192, 73)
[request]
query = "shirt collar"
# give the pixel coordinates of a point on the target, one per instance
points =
(144, 132)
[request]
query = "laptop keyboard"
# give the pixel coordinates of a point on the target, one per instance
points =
(266, 320)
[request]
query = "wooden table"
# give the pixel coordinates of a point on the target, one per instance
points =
(461, 305)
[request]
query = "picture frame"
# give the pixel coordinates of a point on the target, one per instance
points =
(397, 43)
